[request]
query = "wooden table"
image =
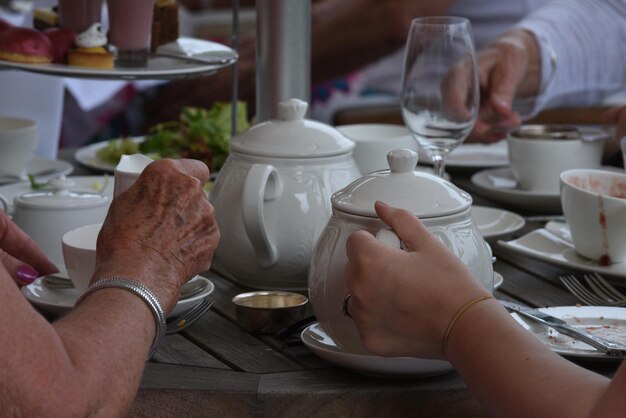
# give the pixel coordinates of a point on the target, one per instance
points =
(216, 369)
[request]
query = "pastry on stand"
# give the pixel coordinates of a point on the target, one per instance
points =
(25, 45)
(91, 49)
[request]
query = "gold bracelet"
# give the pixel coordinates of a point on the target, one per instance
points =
(458, 315)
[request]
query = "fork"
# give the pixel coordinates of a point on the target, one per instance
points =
(597, 292)
(185, 319)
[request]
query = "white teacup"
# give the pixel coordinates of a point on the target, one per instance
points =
(18, 143)
(374, 140)
(594, 204)
(128, 170)
(540, 153)
(79, 253)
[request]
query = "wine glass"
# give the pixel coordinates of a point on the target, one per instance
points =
(440, 93)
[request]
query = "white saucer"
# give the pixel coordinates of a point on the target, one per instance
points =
(87, 156)
(320, 343)
(59, 301)
(551, 244)
(495, 223)
(83, 183)
(603, 321)
(51, 168)
(499, 185)
(474, 156)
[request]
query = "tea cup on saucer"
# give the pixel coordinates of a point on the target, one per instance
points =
(540, 153)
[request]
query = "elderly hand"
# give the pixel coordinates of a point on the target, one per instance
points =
(20, 255)
(403, 301)
(161, 231)
(509, 67)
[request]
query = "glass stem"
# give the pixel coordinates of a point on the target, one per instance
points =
(439, 164)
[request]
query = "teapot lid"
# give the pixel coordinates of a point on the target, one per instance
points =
(292, 136)
(423, 194)
(60, 197)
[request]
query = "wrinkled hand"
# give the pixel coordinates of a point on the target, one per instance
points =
(20, 255)
(161, 231)
(403, 301)
(508, 68)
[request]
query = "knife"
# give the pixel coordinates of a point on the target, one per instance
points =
(610, 348)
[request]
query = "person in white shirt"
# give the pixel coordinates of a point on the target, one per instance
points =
(567, 53)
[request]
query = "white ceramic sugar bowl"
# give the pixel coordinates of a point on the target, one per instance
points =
(272, 197)
(442, 207)
(46, 215)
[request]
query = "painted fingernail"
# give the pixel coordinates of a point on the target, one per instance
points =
(27, 274)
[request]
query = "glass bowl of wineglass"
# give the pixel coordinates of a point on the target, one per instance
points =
(440, 92)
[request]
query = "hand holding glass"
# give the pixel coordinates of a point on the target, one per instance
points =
(440, 94)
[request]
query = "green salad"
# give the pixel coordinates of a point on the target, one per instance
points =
(202, 134)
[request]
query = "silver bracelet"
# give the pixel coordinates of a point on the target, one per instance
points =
(144, 293)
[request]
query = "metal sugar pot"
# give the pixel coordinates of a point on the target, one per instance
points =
(272, 197)
(443, 208)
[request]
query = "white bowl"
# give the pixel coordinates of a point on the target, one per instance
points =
(374, 140)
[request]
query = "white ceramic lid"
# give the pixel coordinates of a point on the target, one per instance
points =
(423, 194)
(60, 197)
(292, 136)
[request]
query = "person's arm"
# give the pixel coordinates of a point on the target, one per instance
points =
(160, 232)
(403, 302)
(568, 52)
(20, 255)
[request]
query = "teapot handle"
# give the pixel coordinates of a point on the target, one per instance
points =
(388, 237)
(262, 184)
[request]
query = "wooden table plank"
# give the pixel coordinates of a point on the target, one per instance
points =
(236, 348)
(176, 349)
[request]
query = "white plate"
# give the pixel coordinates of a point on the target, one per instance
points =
(87, 156)
(499, 185)
(551, 244)
(497, 280)
(52, 168)
(85, 183)
(157, 68)
(495, 223)
(59, 301)
(474, 156)
(320, 343)
(603, 321)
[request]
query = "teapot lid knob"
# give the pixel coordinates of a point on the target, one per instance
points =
(61, 184)
(402, 160)
(292, 109)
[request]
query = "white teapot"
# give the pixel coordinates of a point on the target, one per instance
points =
(272, 197)
(442, 207)
(46, 215)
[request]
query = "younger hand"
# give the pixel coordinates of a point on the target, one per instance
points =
(403, 301)
(509, 67)
(20, 255)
